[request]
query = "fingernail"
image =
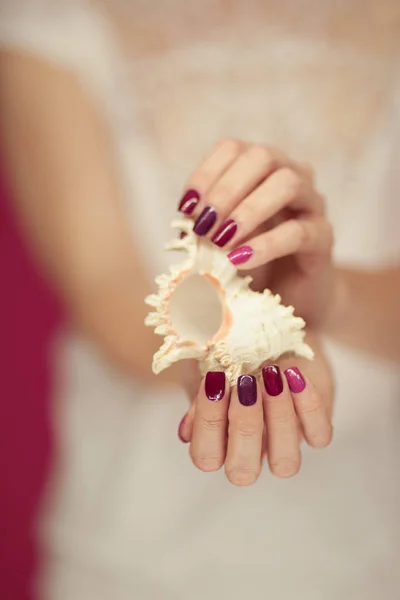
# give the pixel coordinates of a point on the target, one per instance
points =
(183, 234)
(247, 390)
(272, 380)
(180, 429)
(215, 385)
(189, 202)
(205, 221)
(295, 380)
(240, 255)
(225, 233)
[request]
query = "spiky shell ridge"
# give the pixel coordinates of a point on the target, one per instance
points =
(262, 329)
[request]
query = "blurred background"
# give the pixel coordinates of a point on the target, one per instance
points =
(28, 318)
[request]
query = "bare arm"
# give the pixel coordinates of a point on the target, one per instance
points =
(367, 311)
(62, 170)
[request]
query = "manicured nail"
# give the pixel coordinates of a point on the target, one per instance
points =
(240, 255)
(215, 385)
(205, 221)
(272, 380)
(247, 390)
(189, 202)
(295, 380)
(183, 234)
(225, 233)
(180, 429)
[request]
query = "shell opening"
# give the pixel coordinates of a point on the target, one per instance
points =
(195, 310)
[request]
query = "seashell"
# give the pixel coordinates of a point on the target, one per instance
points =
(206, 311)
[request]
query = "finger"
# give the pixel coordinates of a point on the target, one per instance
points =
(311, 236)
(185, 428)
(283, 450)
(243, 460)
(310, 409)
(214, 164)
(208, 447)
(250, 168)
(307, 171)
(283, 189)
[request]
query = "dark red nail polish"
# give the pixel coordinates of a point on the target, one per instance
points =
(179, 430)
(215, 385)
(225, 233)
(189, 202)
(240, 255)
(247, 390)
(295, 380)
(272, 380)
(183, 234)
(205, 221)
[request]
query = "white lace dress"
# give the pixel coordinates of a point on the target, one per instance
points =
(130, 517)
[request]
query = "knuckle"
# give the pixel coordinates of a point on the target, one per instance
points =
(247, 213)
(262, 155)
(245, 428)
(212, 424)
(281, 419)
(241, 476)
(201, 180)
(309, 407)
(220, 195)
(231, 145)
(285, 467)
(301, 232)
(247, 431)
(292, 181)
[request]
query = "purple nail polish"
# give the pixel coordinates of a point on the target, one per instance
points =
(179, 430)
(189, 202)
(247, 390)
(215, 385)
(272, 380)
(240, 255)
(225, 233)
(205, 221)
(295, 380)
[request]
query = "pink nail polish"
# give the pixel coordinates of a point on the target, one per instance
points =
(295, 380)
(179, 430)
(240, 255)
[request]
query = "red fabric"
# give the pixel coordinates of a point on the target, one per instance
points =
(28, 316)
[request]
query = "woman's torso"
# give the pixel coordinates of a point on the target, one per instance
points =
(129, 502)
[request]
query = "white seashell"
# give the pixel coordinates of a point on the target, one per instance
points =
(206, 311)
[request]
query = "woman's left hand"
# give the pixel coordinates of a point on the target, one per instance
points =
(236, 427)
(262, 207)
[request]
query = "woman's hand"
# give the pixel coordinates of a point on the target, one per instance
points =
(263, 208)
(270, 416)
